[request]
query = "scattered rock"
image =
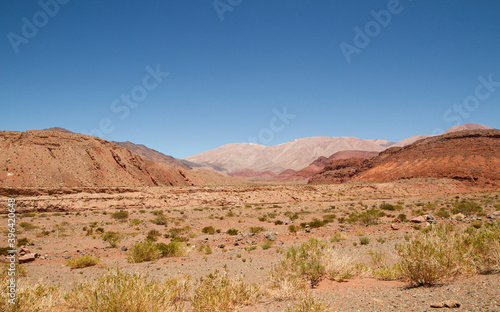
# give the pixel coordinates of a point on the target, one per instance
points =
(221, 245)
(124, 248)
(419, 219)
(394, 226)
(308, 230)
(28, 257)
(446, 304)
(271, 236)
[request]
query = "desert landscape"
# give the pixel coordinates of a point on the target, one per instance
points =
(103, 226)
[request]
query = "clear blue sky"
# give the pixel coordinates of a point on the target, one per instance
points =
(225, 77)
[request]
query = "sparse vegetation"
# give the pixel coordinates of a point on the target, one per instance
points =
(120, 215)
(82, 262)
(143, 251)
(218, 292)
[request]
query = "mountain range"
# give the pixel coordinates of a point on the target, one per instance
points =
(58, 157)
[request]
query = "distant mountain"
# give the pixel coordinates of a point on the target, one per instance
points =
(58, 129)
(415, 138)
(321, 162)
(471, 155)
(153, 155)
(295, 154)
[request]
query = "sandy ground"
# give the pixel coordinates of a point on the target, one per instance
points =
(61, 220)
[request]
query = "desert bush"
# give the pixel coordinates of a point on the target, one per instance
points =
(120, 215)
(208, 230)
(306, 260)
(368, 217)
(293, 228)
(159, 220)
(266, 245)
(386, 273)
(135, 222)
(205, 249)
(153, 235)
(389, 207)
(27, 226)
(278, 222)
(468, 208)
(315, 223)
(431, 257)
(443, 213)
(256, 229)
(143, 251)
(23, 241)
(4, 251)
(82, 262)
(173, 249)
(309, 303)
(402, 217)
(112, 238)
(118, 291)
(364, 240)
(218, 292)
(232, 232)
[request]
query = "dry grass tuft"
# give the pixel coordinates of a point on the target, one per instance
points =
(118, 291)
(218, 292)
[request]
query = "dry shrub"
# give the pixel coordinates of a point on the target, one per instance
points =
(83, 262)
(308, 303)
(218, 292)
(441, 253)
(143, 251)
(29, 297)
(118, 291)
(340, 267)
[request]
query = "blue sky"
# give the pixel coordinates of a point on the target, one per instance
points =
(415, 67)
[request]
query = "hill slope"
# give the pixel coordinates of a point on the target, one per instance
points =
(472, 156)
(153, 155)
(51, 159)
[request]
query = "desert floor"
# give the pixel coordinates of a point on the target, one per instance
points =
(63, 224)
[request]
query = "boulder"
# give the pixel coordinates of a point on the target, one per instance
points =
(419, 219)
(28, 257)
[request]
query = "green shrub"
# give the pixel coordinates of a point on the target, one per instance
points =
(208, 230)
(232, 232)
(153, 235)
(292, 228)
(82, 262)
(442, 213)
(112, 238)
(173, 249)
(159, 220)
(266, 245)
(364, 240)
(256, 229)
(390, 207)
(143, 251)
(468, 208)
(23, 241)
(120, 215)
(27, 226)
